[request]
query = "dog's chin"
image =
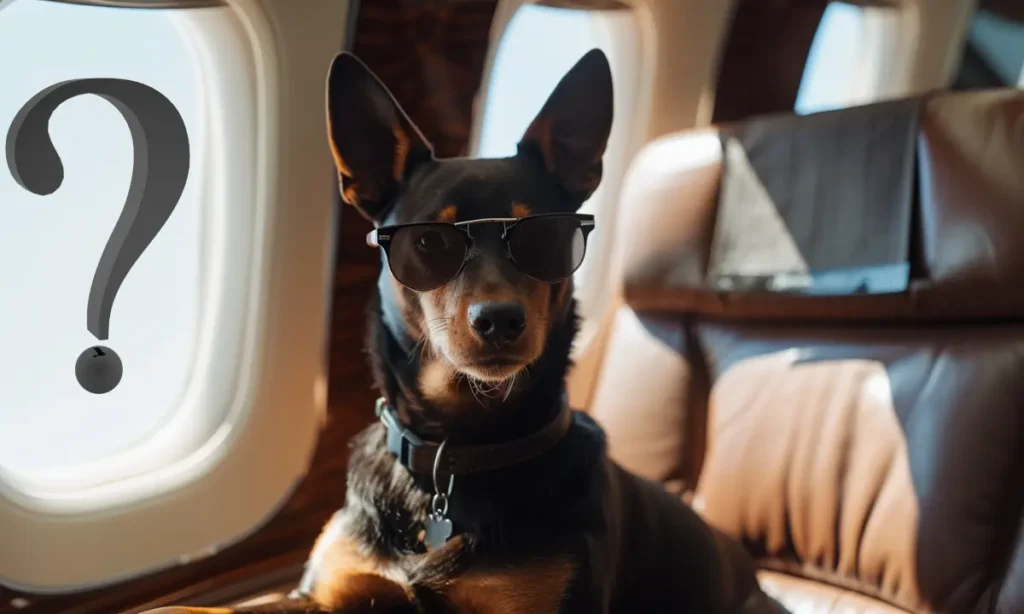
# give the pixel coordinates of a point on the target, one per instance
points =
(491, 370)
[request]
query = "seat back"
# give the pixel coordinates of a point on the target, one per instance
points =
(821, 340)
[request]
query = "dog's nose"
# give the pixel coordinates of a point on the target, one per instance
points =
(498, 323)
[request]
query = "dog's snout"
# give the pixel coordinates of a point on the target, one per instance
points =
(497, 323)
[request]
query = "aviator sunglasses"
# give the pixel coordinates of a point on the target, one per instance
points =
(426, 255)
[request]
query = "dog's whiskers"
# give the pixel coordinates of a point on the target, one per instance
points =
(438, 325)
(420, 344)
(490, 387)
(473, 389)
(511, 385)
(483, 391)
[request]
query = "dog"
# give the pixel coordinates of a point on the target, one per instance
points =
(479, 490)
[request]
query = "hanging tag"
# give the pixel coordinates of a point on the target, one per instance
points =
(438, 529)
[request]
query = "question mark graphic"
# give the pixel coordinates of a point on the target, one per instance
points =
(158, 178)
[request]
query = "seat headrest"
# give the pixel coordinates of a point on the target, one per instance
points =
(906, 209)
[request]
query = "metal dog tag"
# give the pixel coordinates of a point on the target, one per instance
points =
(438, 529)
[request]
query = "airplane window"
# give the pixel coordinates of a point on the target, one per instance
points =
(51, 245)
(827, 82)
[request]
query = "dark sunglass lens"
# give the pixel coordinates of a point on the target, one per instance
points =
(425, 257)
(548, 248)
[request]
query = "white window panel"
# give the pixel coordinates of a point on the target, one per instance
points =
(220, 324)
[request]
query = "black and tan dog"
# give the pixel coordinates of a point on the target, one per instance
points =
(480, 491)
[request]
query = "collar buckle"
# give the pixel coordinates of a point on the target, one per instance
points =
(400, 441)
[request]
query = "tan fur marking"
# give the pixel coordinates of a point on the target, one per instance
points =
(520, 210)
(448, 215)
(373, 593)
(533, 588)
(186, 610)
(401, 152)
(438, 383)
(339, 162)
(350, 195)
(562, 291)
(346, 575)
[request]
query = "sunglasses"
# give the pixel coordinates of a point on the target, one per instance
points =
(426, 255)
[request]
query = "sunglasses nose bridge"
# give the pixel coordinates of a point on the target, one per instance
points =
(484, 253)
(483, 273)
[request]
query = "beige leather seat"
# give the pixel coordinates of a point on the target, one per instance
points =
(862, 434)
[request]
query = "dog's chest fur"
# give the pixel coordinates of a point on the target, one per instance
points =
(520, 532)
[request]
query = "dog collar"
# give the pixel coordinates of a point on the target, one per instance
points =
(418, 456)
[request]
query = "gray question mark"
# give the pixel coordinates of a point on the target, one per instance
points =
(158, 179)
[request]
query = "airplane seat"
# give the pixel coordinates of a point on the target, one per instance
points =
(820, 345)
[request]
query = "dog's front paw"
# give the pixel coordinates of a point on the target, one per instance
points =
(369, 593)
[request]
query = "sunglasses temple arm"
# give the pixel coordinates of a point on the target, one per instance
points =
(371, 238)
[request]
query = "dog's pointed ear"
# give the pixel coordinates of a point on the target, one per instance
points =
(374, 143)
(570, 133)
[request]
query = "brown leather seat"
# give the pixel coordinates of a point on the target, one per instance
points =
(820, 340)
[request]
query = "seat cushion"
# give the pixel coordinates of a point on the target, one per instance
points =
(801, 596)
